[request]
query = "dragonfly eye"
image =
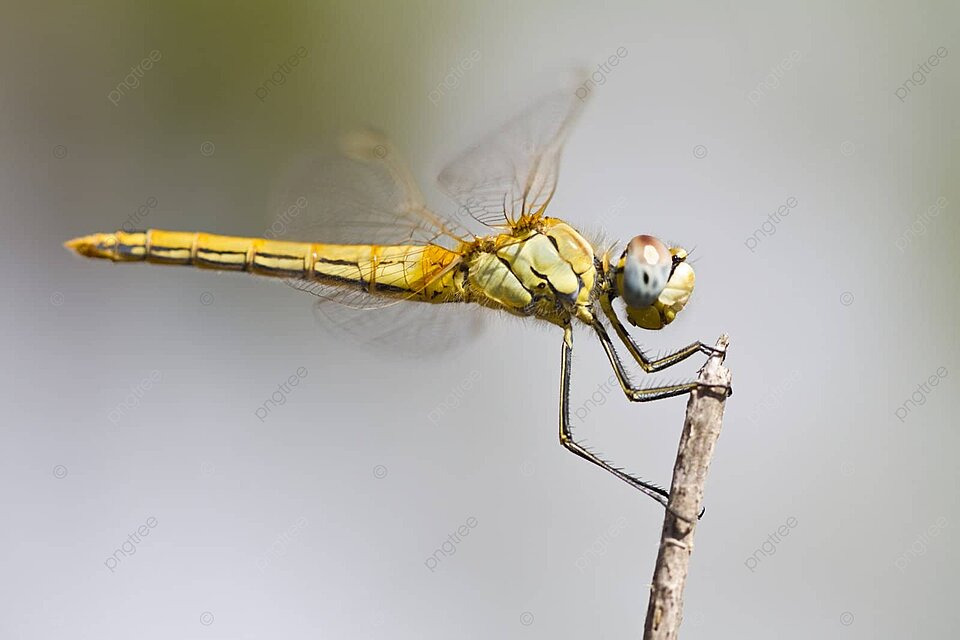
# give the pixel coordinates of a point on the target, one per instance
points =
(646, 267)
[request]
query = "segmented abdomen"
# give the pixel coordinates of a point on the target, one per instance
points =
(422, 272)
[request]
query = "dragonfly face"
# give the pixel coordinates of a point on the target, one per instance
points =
(655, 282)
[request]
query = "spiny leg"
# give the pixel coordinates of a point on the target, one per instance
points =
(651, 366)
(639, 394)
(635, 394)
(566, 434)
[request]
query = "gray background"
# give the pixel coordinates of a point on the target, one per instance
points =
(834, 324)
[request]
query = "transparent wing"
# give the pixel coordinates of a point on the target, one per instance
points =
(363, 193)
(403, 327)
(412, 329)
(513, 172)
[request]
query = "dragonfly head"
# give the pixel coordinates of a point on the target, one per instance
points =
(654, 281)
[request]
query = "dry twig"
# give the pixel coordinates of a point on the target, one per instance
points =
(700, 433)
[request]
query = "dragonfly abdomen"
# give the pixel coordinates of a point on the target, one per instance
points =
(204, 250)
(410, 271)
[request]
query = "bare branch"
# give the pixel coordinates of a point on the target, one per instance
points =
(700, 433)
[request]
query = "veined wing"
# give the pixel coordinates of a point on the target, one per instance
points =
(512, 173)
(363, 193)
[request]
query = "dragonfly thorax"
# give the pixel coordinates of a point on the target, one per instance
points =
(547, 271)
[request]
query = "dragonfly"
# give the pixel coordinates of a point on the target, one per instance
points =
(366, 240)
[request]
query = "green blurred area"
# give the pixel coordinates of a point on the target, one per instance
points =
(360, 61)
(221, 83)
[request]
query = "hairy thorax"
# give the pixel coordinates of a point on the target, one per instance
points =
(546, 271)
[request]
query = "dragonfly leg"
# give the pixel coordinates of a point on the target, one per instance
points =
(644, 394)
(648, 365)
(566, 434)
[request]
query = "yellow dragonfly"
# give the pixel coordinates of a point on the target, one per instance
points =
(377, 244)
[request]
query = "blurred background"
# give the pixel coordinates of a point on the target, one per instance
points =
(144, 493)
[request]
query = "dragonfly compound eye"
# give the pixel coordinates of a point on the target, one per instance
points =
(646, 266)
